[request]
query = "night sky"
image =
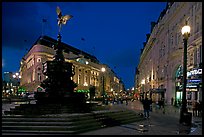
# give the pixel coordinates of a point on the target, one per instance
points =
(114, 32)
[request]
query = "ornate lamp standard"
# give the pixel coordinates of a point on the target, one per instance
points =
(184, 112)
(103, 91)
(17, 77)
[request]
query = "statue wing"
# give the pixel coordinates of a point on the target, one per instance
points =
(66, 18)
(59, 13)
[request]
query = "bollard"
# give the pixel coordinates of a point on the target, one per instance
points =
(187, 116)
(185, 126)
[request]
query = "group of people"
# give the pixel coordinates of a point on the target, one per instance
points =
(197, 108)
(120, 100)
(147, 107)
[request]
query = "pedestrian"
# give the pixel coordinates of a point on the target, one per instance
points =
(200, 108)
(195, 108)
(126, 100)
(162, 102)
(146, 106)
(172, 101)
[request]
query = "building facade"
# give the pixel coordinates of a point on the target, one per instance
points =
(159, 73)
(86, 67)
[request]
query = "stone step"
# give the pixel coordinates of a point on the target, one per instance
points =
(45, 109)
(115, 118)
(38, 123)
(40, 111)
(78, 126)
(65, 115)
(74, 122)
(38, 128)
(36, 119)
(35, 132)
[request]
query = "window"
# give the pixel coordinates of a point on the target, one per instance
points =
(195, 57)
(30, 63)
(38, 59)
(39, 77)
(197, 24)
(79, 79)
(34, 75)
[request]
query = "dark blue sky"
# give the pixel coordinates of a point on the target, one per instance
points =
(114, 32)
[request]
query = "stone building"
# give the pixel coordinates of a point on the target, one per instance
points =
(159, 72)
(86, 67)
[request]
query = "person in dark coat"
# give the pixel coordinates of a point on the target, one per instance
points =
(195, 108)
(200, 108)
(146, 106)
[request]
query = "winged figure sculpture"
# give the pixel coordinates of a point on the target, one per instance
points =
(62, 19)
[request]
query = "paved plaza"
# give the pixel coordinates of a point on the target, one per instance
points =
(159, 123)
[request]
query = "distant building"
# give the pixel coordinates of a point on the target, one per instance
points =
(87, 67)
(8, 77)
(9, 83)
(159, 72)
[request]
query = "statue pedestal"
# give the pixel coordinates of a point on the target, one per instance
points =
(69, 98)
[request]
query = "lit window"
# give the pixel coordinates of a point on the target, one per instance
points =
(38, 59)
(39, 77)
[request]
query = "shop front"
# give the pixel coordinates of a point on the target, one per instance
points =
(157, 94)
(178, 86)
(193, 87)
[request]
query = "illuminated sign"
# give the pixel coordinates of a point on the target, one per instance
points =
(39, 89)
(191, 86)
(191, 89)
(21, 89)
(84, 91)
(194, 81)
(194, 72)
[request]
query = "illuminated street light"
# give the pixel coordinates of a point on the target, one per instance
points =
(185, 116)
(103, 92)
(17, 77)
(103, 69)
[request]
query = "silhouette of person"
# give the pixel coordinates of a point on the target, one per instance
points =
(146, 106)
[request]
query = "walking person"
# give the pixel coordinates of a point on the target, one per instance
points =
(195, 107)
(200, 108)
(172, 101)
(146, 106)
(126, 100)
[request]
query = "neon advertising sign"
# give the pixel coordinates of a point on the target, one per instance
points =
(194, 72)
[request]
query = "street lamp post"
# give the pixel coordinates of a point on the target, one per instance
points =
(184, 115)
(103, 90)
(17, 77)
